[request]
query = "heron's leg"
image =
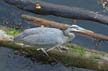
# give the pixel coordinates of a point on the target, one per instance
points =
(59, 47)
(64, 48)
(44, 51)
(56, 46)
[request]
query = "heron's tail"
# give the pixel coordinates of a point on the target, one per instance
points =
(18, 38)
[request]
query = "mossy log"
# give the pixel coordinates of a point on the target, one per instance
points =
(45, 8)
(75, 56)
(62, 26)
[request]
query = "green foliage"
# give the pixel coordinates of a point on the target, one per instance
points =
(77, 49)
(10, 31)
(13, 31)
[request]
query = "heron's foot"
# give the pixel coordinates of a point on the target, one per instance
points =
(44, 51)
(64, 48)
(56, 46)
(59, 49)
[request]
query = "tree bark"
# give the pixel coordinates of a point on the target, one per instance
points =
(59, 10)
(62, 26)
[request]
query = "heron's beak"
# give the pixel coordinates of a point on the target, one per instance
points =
(89, 33)
(85, 32)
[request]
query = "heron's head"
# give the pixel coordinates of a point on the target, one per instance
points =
(76, 29)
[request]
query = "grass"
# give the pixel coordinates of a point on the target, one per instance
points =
(13, 31)
(77, 49)
(10, 31)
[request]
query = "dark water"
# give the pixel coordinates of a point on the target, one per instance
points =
(11, 62)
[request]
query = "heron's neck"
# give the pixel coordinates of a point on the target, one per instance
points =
(69, 36)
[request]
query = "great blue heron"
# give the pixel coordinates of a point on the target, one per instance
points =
(48, 38)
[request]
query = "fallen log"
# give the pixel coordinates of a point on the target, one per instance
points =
(63, 26)
(76, 56)
(59, 10)
(41, 21)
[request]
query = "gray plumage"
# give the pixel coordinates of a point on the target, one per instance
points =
(44, 37)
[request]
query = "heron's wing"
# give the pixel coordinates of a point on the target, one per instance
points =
(27, 32)
(39, 30)
(41, 36)
(52, 38)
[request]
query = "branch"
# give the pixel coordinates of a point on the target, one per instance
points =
(76, 56)
(63, 26)
(59, 10)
